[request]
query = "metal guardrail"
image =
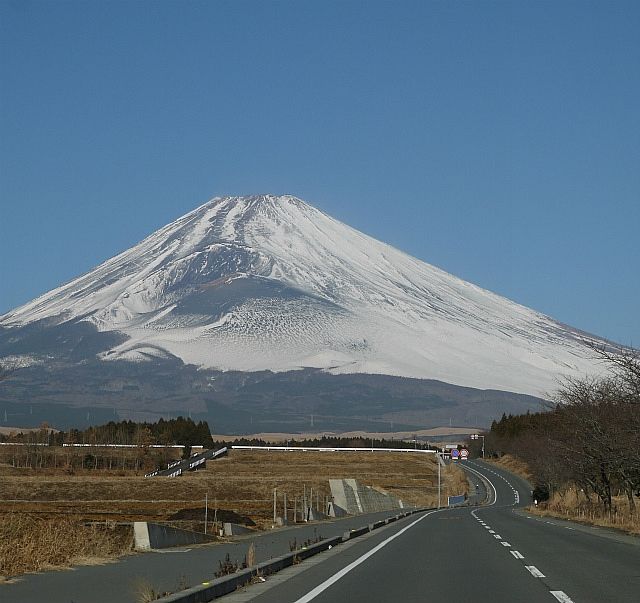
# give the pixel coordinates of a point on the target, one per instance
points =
(208, 591)
(330, 449)
(176, 468)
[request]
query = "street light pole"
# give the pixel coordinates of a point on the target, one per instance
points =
(439, 482)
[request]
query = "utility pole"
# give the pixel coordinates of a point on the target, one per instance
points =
(274, 505)
(206, 510)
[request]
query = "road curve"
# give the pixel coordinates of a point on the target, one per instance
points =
(490, 553)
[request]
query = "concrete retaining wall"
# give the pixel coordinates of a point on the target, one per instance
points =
(355, 498)
(234, 529)
(156, 536)
(336, 511)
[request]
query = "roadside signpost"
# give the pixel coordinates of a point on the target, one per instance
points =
(464, 454)
(455, 454)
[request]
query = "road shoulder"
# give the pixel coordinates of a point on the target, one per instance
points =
(598, 531)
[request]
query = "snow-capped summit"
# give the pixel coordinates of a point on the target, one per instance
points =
(270, 282)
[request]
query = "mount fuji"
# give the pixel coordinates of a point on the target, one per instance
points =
(244, 285)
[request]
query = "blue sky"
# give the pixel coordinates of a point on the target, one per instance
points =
(499, 141)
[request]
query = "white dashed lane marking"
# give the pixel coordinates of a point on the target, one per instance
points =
(534, 571)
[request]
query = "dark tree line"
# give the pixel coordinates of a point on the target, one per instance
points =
(332, 442)
(43, 448)
(589, 438)
(180, 431)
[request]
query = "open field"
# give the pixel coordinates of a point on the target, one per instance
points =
(242, 483)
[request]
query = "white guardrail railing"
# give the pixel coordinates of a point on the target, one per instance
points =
(331, 449)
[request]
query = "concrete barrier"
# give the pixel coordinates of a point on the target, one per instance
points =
(157, 536)
(355, 533)
(222, 586)
(235, 529)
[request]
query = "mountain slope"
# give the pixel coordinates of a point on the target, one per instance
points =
(269, 282)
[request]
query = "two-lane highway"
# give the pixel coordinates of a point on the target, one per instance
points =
(575, 562)
(491, 553)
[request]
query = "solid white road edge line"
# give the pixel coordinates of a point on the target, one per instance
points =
(561, 596)
(495, 493)
(312, 594)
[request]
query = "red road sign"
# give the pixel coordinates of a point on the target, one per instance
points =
(464, 453)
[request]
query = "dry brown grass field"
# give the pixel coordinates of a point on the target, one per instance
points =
(573, 505)
(242, 482)
(31, 543)
(515, 465)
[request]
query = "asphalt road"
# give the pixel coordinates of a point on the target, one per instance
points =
(492, 553)
(166, 570)
(479, 553)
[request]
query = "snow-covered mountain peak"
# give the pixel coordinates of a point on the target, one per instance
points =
(270, 282)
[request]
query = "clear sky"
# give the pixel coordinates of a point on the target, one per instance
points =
(499, 141)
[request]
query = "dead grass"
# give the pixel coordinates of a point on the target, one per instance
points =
(44, 507)
(571, 504)
(243, 482)
(574, 506)
(515, 465)
(29, 543)
(145, 593)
